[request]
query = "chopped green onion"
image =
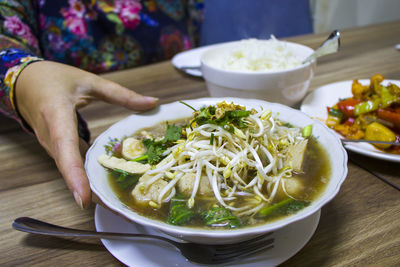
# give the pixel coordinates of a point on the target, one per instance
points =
(187, 105)
(141, 158)
(307, 130)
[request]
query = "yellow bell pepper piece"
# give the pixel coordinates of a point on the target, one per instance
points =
(378, 132)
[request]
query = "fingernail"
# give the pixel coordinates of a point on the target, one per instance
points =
(78, 200)
(151, 98)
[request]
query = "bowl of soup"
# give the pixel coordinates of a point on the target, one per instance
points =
(215, 170)
(271, 70)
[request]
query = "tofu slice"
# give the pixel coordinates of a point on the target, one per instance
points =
(295, 156)
(122, 164)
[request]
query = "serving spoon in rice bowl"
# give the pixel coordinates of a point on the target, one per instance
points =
(329, 46)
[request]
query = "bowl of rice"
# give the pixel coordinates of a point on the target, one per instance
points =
(271, 70)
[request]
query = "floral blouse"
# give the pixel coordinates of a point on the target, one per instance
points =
(95, 35)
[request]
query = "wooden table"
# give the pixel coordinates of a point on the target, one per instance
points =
(359, 227)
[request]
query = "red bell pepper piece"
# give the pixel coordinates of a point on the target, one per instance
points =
(390, 116)
(349, 121)
(347, 106)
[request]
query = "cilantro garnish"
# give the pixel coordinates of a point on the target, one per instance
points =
(155, 149)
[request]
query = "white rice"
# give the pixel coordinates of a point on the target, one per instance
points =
(256, 55)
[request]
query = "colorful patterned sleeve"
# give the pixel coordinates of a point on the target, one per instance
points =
(12, 61)
(18, 48)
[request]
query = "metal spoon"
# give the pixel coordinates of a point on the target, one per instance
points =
(198, 253)
(369, 141)
(329, 46)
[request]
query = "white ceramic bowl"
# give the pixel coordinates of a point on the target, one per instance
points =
(100, 185)
(287, 86)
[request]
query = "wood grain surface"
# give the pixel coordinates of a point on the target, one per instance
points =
(359, 227)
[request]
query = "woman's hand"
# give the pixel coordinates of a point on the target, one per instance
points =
(47, 95)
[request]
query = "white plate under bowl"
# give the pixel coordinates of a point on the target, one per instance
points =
(288, 241)
(190, 58)
(315, 103)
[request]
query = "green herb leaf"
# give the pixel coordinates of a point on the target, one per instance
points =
(125, 179)
(179, 213)
(155, 149)
(285, 207)
(121, 174)
(229, 120)
(222, 217)
(238, 113)
(173, 133)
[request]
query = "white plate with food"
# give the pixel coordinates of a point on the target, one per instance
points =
(288, 241)
(315, 105)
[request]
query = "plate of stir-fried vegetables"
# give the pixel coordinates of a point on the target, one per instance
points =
(366, 109)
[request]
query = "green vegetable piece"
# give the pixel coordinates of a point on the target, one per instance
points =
(141, 158)
(307, 130)
(295, 206)
(125, 179)
(155, 149)
(186, 104)
(222, 217)
(131, 180)
(121, 174)
(154, 153)
(228, 121)
(285, 207)
(386, 97)
(287, 124)
(238, 113)
(367, 106)
(335, 113)
(173, 133)
(179, 213)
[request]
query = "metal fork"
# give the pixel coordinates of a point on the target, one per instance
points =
(197, 253)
